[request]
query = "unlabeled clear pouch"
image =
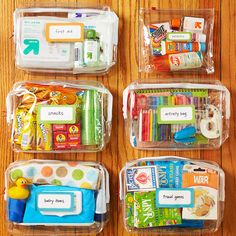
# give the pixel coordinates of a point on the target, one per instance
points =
(59, 116)
(167, 115)
(56, 197)
(172, 195)
(176, 40)
(68, 40)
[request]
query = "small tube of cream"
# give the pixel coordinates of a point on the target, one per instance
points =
(174, 47)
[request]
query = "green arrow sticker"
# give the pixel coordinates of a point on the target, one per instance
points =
(32, 45)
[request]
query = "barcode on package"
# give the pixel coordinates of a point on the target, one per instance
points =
(79, 55)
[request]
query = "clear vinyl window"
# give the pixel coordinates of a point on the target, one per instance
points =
(59, 116)
(173, 40)
(171, 195)
(54, 196)
(79, 40)
(177, 115)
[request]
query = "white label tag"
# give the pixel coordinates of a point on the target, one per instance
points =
(179, 36)
(72, 203)
(64, 32)
(193, 24)
(57, 201)
(175, 198)
(57, 114)
(176, 114)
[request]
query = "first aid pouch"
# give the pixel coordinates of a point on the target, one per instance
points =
(167, 115)
(172, 195)
(59, 116)
(68, 40)
(59, 197)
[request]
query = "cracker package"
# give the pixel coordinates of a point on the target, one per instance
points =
(205, 183)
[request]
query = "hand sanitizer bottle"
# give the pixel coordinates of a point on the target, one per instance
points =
(91, 48)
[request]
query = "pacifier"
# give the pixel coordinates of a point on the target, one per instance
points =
(211, 125)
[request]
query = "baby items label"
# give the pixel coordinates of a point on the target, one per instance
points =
(176, 114)
(64, 32)
(59, 114)
(60, 203)
(141, 178)
(55, 201)
(170, 197)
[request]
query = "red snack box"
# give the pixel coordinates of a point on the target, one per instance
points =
(73, 145)
(74, 133)
(59, 127)
(60, 139)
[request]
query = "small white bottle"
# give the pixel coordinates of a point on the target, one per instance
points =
(91, 48)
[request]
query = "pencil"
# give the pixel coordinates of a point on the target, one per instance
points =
(150, 125)
(140, 125)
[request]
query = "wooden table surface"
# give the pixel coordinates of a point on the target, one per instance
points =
(119, 150)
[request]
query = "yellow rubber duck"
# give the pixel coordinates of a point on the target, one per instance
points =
(20, 191)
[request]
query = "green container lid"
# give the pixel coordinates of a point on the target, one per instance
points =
(91, 34)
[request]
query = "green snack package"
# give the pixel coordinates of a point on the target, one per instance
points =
(147, 215)
(129, 209)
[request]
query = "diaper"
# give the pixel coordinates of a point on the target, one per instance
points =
(70, 174)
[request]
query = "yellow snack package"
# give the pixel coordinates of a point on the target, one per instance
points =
(44, 136)
(19, 124)
(28, 132)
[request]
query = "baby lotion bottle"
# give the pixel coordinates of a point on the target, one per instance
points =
(91, 48)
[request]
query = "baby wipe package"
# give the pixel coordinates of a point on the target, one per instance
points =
(167, 115)
(172, 194)
(75, 40)
(174, 40)
(59, 116)
(58, 194)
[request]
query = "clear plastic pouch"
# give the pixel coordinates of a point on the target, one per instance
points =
(172, 195)
(68, 40)
(176, 40)
(167, 115)
(59, 116)
(45, 197)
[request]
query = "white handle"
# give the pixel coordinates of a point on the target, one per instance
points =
(125, 102)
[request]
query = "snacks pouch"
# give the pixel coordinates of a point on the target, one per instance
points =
(68, 40)
(172, 195)
(167, 115)
(176, 40)
(59, 194)
(59, 116)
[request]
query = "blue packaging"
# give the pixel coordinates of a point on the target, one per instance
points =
(16, 210)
